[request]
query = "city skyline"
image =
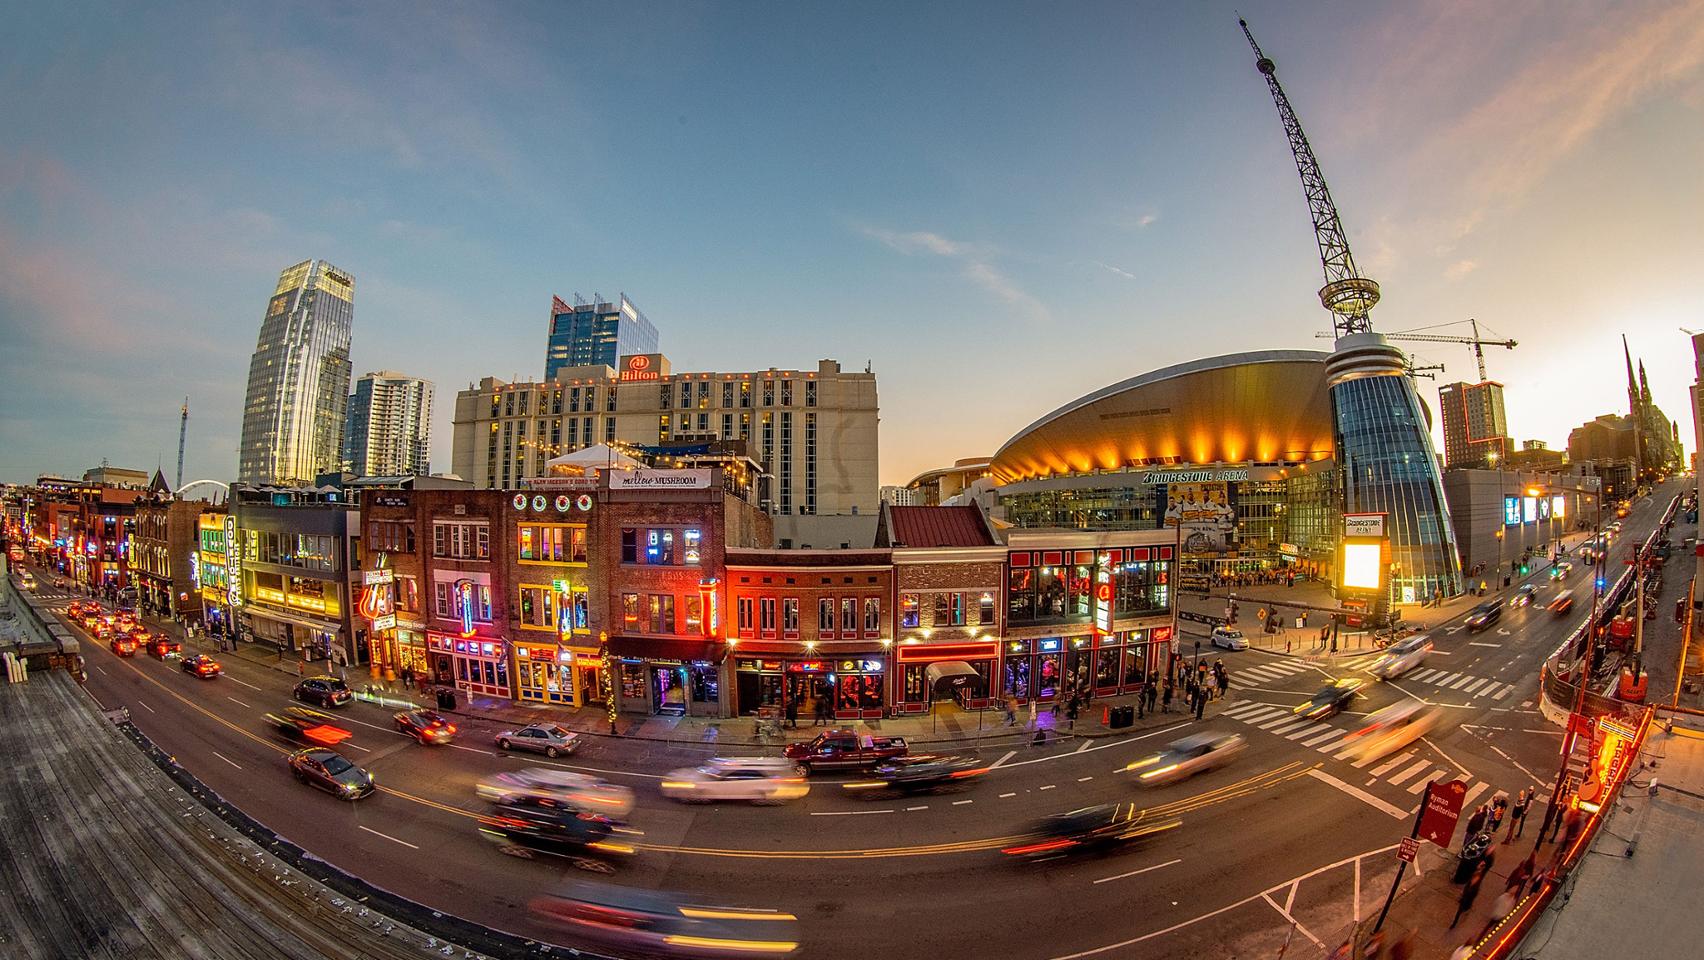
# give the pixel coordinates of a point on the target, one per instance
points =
(1066, 227)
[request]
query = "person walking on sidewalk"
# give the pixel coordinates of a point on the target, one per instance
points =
(1200, 701)
(1141, 702)
(1469, 893)
(1499, 807)
(1011, 705)
(1166, 699)
(1476, 822)
(1032, 724)
(1153, 691)
(1518, 813)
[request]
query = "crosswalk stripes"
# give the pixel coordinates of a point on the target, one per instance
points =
(1397, 780)
(1268, 672)
(1466, 683)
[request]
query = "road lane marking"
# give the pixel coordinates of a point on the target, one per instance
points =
(1383, 769)
(960, 803)
(1403, 777)
(1045, 787)
(1295, 724)
(1507, 689)
(1473, 690)
(1473, 792)
(1005, 795)
(1359, 794)
(238, 702)
(1282, 719)
(359, 747)
(923, 807)
(145, 706)
(1133, 873)
(1084, 779)
(1481, 643)
(1307, 731)
(1100, 746)
(1086, 745)
(389, 837)
(1315, 741)
(1460, 683)
(1009, 755)
(227, 760)
(851, 813)
(98, 669)
(243, 682)
(1424, 782)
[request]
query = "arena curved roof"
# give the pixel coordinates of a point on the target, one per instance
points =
(1267, 406)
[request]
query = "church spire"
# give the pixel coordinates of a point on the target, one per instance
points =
(1644, 387)
(1632, 386)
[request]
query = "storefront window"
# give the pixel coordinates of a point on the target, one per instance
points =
(633, 681)
(1135, 665)
(706, 683)
(1082, 582)
(1106, 667)
(914, 682)
(909, 614)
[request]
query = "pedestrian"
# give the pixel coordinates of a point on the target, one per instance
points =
(1523, 872)
(1518, 813)
(1499, 808)
(1141, 701)
(1071, 713)
(1224, 683)
(1476, 822)
(1469, 892)
(1166, 697)
(1153, 691)
(1032, 722)
(298, 668)
(1011, 705)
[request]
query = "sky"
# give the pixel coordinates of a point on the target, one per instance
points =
(999, 207)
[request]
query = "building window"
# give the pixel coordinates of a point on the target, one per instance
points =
(665, 397)
(790, 617)
(949, 609)
(727, 393)
(848, 617)
(408, 594)
(872, 617)
(769, 393)
(551, 543)
(630, 613)
(538, 606)
(786, 393)
(910, 616)
(390, 536)
(766, 609)
(743, 607)
(825, 617)
(461, 540)
(691, 546)
(662, 608)
(447, 601)
(694, 613)
(810, 393)
(985, 610)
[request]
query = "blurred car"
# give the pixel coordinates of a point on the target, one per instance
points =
(300, 723)
(327, 691)
(123, 646)
(28, 580)
(925, 771)
(757, 779)
(1561, 603)
(1329, 700)
(551, 739)
(332, 772)
(1484, 615)
(424, 725)
(627, 921)
(1391, 729)
(202, 665)
(1098, 829)
(579, 790)
(1181, 759)
(1229, 639)
(529, 827)
(1561, 570)
(159, 646)
(1524, 595)
(1401, 657)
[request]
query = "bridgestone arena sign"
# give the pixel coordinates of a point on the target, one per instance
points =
(659, 479)
(1194, 476)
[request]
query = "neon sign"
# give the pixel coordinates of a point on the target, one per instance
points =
(464, 593)
(233, 562)
(1103, 595)
(711, 621)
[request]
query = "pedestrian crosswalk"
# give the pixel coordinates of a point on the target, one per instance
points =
(1407, 771)
(1262, 673)
(1465, 684)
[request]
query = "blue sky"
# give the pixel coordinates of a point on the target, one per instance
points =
(999, 206)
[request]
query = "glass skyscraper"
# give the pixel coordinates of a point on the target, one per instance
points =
(582, 334)
(298, 385)
(1384, 452)
(390, 426)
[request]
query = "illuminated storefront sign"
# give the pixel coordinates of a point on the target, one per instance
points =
(233, 562)
(1103, 595)
(708, 596)
(639, 368)
(1511, 511)
(1158, 477)
(464, 594)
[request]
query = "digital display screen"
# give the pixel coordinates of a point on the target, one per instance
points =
(1363, 566)
(1511, 511)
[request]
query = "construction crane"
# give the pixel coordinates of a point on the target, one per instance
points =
(1348, 295)
(183, 434)
(1476, 341)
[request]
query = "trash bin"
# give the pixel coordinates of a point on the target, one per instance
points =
(1472, 851)
(446, 699)
(1128, 712)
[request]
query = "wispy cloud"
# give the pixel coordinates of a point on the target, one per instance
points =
(1112, 269)
(1460, 268)
(975, 260)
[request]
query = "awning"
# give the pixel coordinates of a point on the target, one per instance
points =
(666, 648)
(956, 672)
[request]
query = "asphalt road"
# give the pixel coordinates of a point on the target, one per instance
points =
(1291, 841)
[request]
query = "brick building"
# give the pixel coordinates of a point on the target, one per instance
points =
(160, 555)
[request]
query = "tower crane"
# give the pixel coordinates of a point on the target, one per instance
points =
(183, 434)
(1348, 295)
(1476, 341)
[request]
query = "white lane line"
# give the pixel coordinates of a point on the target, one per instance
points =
(1426, 675)
(1086, 745)
(923, 807)
(389, 837)
(1084, 779)
(1473, 792)
(243, 682)
(1316, 741)
(1133, 873)
(1099, 746)
(1423, 782)
(1307, 731)
(1302, 724)
(1460, 683)
(1358, 794)
(1473, 689)
(1245, 708)
(1481, 643)
(227, 760)
(847, 813)
(960, 803)
(1383, 769)
(1265, 712)
(98, 669)
(1507, 689)
(1283, 719)
(1009, 755)
(146, 707)
(1044, 787)
(361, 748)
(238, 702)
(1360, 764)
(1403, 777)
(1005, 795)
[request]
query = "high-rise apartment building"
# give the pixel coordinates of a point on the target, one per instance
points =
(813, 431)
(1474, 424)
(298, 385)
(588, 334)
(389, 433)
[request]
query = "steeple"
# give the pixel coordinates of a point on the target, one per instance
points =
(1644, 387)
(1632, 387)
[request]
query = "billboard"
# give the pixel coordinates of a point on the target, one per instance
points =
(1203, 515)
(1363, 565)
(1363, 524)
(1511, 511)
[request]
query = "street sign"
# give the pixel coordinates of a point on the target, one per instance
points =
(1407, 849)
(1201, 618)
(386, 622)
(1443, 809)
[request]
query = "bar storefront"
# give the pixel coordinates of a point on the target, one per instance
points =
(927, 671)
(475, 665)
(852, 686)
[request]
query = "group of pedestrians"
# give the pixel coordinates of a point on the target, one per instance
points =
(1196, 688)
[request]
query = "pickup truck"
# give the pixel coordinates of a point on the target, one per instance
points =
(843, 749)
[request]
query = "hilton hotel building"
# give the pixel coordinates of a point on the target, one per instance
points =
(814, 431)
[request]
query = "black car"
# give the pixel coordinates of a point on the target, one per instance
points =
(628, 921)
(327, 691)
(922, 772)
(1098, 829)
(1524, 595)
(532, 826)
(424, 725)
(1484, 615)
(332, 772)
(1329, 700)
(308, 726)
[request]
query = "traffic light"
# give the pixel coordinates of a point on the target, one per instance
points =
(1523, 568)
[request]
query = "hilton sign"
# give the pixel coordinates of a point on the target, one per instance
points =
(644, 366)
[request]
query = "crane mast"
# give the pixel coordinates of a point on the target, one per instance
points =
(183, 434)
(1348, 295)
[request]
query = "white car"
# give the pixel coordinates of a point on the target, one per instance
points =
(1229, 639)
(757, 779)
(1391, 729)
(1193, 754)
(1401, 657)
(585, 793)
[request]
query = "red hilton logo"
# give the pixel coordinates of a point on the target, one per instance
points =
(639, 368)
